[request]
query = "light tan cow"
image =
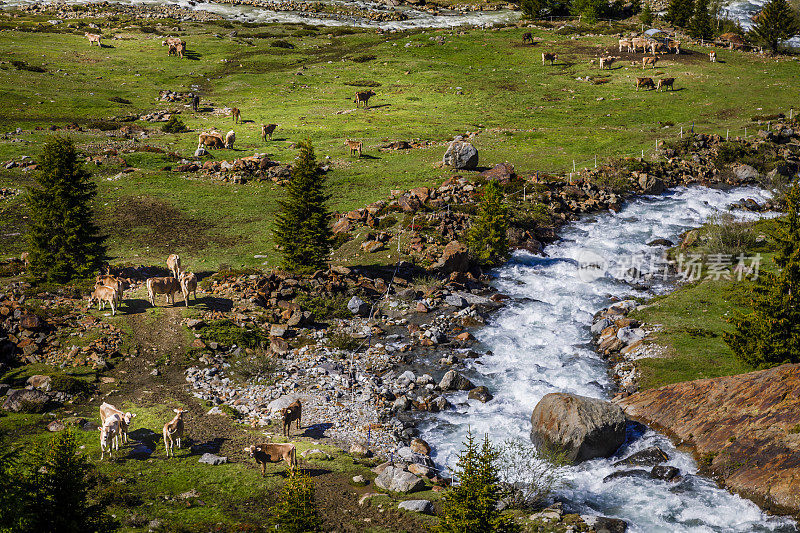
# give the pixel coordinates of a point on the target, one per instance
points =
(606, 62)
(355, 146)
(188, 285)
(273, 453)
(230, 138)
(666, 82)
(174, 265)
(626, 44)
(167, 286)
(649, 60)
(712, 56)
(118, 284)
(267, 130)
(109, 436)
(94, 38)
(549, 56)
(639, 42)
(23, 257)
(644, 82)
(107, 410)
(172, 41)
(173, 431)
(211, 140)
(103, 295)
(236, 114)
(674, 46)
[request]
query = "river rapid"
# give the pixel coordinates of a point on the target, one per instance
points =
(541, 343)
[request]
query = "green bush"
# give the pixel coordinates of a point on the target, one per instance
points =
(68, 384)
(487, 238)
(227, 333)
(726, 235)
(280, 43)
(345, 342)
(295, 511)
(324, 307)
(258, 364)
(174, 125)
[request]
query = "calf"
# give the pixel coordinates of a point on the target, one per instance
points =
(174, 265)
(166, 286)
(188, 285)
(355, 146)
(273, 453)
(549, 56)
(107, 410)
(666, 82)
(180, 49)
(103, 295)
(230, 138)
(173, 50)
(267, 130)
(606, 62)
(292, 412)
(118, 284)
(627, 44)
(196, 103)
(712, 56)
(527, 38)
(173, 431)
(650, 60)
(639, 42)
(172, 41)
(93, 38)
(644, 82)
(363, 96)
(211, 140)
(109, 435)
(674, 46)
(236, 114)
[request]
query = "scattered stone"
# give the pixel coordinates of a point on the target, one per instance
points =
(212, 459)
(648, 457)
(481, 394)
(26, 401)
(357, 306)
(417, 506)
(358, 449)
(396, 479)
(461, 155)
(452, 380)
(55, 426)
(664, 472)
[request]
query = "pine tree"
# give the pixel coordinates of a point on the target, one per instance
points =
(65, 243)
(770, 334)
(295, 511)
(775, 23)
(646, 16)
(472, 505)
(679, 12)
(487, 237)
(10, 489)
(588, 10)
(58, 490)
(700, 26)
(302, 228)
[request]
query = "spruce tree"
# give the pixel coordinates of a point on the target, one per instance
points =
(700, 26)
(472, 504)
(10, 489)
(58, 490)
(295, 511)
(679, 12)
(646, 16)
(775, 23)
(770, 334)
(65, 243)
(487, 238)
(302, 228)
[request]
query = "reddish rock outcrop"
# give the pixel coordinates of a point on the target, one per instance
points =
(744, 429)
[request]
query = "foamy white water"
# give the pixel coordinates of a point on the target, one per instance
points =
(416, 18)
(541, 344)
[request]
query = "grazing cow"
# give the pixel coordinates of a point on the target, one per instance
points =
(666, 82)
(118, 284)
(172, 41)
(549, 56)
(639, 42)
(606, 62)
(649, 60)
(174, 265)
(109, 435)
(180, 49)
(173, 50)
(230, 138)
(355, 146)
(292, 412)
(211, 140)
(93, 38)
(363, 96)
(107, 410)
(656, 46)
(173, 431)
(166, 286)
(103, 295)
(273, 453)
(196, 103)
(236, 114)
(267, 130)
(23, 257)
(188, 285)
(674, 46)
(644, 82)
(712, 56)
(527, 38)
(627, 44)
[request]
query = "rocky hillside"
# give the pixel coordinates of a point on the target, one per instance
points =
(744, 429)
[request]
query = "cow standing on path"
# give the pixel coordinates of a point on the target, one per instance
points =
(273, 453)
(173, 431)
(294, 411)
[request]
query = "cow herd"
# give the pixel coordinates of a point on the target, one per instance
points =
(114, 426)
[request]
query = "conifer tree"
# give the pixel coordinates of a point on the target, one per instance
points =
(295, 511)
(700, 26)
(65, 243)
(775, 23)
(646, 15)
(302, 228)
(10, 489)
(472, 504)
(487, 237)
(679, 12)
(770, 334)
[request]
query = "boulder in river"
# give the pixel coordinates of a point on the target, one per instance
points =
(452, 380)
(650, 456)
(580, 427)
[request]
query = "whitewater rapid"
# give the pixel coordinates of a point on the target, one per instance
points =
(541, 343)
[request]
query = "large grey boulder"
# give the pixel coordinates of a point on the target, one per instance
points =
(452, 380)
(651, 184)
(744, 172)
(357, 306)
(396, 479)
(580, 427)
(417, 506)
(461, 154)
(26, 401)
(212, 459)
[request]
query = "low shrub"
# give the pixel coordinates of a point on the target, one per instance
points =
(324, 307)
(227, 333)
(726, 235)
(362, 83)
(174, 125)
(280, 43)
(119, 100)
(344, 341)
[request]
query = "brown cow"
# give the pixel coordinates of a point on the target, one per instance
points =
(606, 62)
(649, 60)
(104, 295)
(527, 38)
(639, 42)
(644, 82)
(626, 44)
(211, 140)
(549, 56)
(94, 38)
(166, 286)
(173, 431)
(267, 130)
(180, 48)
(174, 265)
(363, 96)
(674, 46)
(172, 41)
(666, 82)
(273, 453)
(355, 146)
(118, 284)
(236, 114)
(292, 412)
(188, 285)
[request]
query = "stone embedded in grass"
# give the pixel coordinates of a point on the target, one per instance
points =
(461, 155)
(395, 479)
(26, 401)
(211, 459)
(417, 506)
